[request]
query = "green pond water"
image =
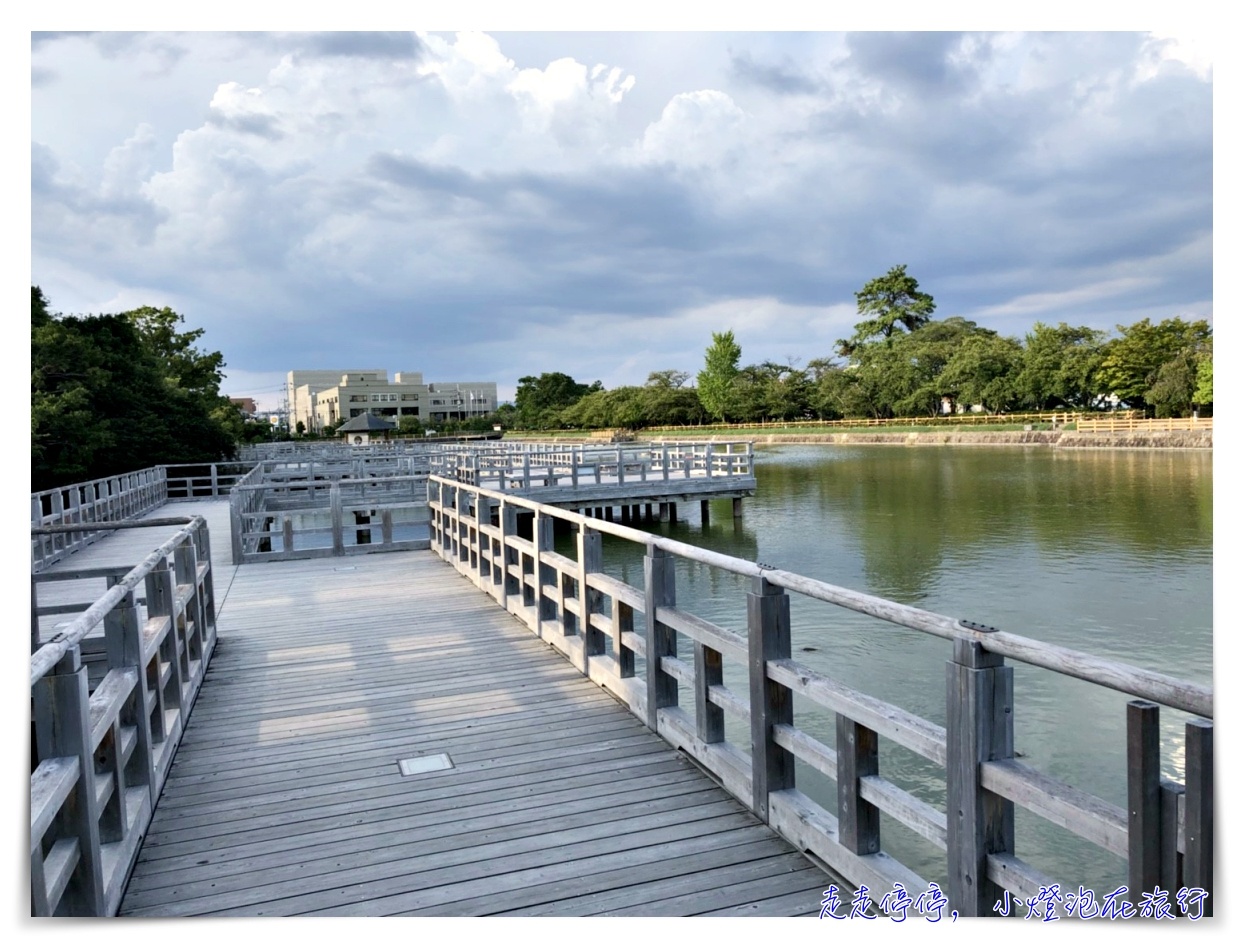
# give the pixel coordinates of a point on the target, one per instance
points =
(1108, 552)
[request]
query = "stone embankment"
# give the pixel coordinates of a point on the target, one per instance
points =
(1161, 440)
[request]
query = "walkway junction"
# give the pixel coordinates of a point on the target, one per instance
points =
(234, 714)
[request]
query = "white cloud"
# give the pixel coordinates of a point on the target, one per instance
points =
(695, 129)
(482, 209)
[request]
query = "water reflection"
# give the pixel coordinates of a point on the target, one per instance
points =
(1105, 551)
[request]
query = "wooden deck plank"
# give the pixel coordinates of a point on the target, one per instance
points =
(285, 796)
(419, 825)
(450, 845)
(637, 886)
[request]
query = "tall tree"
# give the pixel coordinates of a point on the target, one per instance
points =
(105, 401)
(1132, 361)
(539, 399)
(1059, 366)
(716, 381)
(887, 303)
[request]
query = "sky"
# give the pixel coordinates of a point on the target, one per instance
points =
(484, 206)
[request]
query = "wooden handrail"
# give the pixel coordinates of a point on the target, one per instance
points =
(565, 599)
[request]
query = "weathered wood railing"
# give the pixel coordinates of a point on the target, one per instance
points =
(274, 516)
(107, 500)
(116, 499)
(101, 755)
(203, 481)
(504, 544)
(529, 467)
(1127, 425)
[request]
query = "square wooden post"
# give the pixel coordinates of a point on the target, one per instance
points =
(590, 601)
(662, 641)
(979, 728)
(1143, 778)
(858, 821)
(63, 728)
(1198, 818)
(768, 639)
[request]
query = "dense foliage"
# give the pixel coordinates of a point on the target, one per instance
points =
(900, 362)
(114, 393)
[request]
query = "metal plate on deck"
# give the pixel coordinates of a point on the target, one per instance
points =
(418, 765)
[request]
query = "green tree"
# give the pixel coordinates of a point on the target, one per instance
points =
(984, 369)
(666, 400)
(1060, 366)
(410, 426)
(716, 381)
(1204, 379)
(888, 302)
(105, 400)
(1132, 361)
(540, 399)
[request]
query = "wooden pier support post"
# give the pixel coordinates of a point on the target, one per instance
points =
(659, 590)
(673, 512)
(1143, 781)
(768, 639)
(737, 508)
(664, 512)
(648, 513)
(703, 512)
(979, 727)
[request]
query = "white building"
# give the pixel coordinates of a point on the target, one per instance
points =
(320, 398)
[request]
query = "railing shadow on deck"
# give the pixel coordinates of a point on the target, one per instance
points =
(504, 545)
(100, 754)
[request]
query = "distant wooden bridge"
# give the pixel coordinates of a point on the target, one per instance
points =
(374, 736)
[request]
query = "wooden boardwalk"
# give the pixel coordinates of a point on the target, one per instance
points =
(286, 796)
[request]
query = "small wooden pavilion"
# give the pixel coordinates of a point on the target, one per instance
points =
(364, 429)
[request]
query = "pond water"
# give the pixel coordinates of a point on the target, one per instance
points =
(1108, 552)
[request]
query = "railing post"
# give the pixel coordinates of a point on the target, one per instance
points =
(768, 639)
(542, 538)
(62, 728)
(1143, 771)
(34, 613)
(979, 728)
(590, 559)
(659, 591)
(215, 482)
(1198, 815)
(509, 556)
(338, 519)
(858, 821)
(123, 640)
(708, 460)
(709, 718)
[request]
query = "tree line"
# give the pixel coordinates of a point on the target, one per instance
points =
(901, 362)
(119, 392)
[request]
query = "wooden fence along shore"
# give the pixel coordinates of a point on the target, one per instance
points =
(111, 689)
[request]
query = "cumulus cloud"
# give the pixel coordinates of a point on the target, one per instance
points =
(483, 212)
